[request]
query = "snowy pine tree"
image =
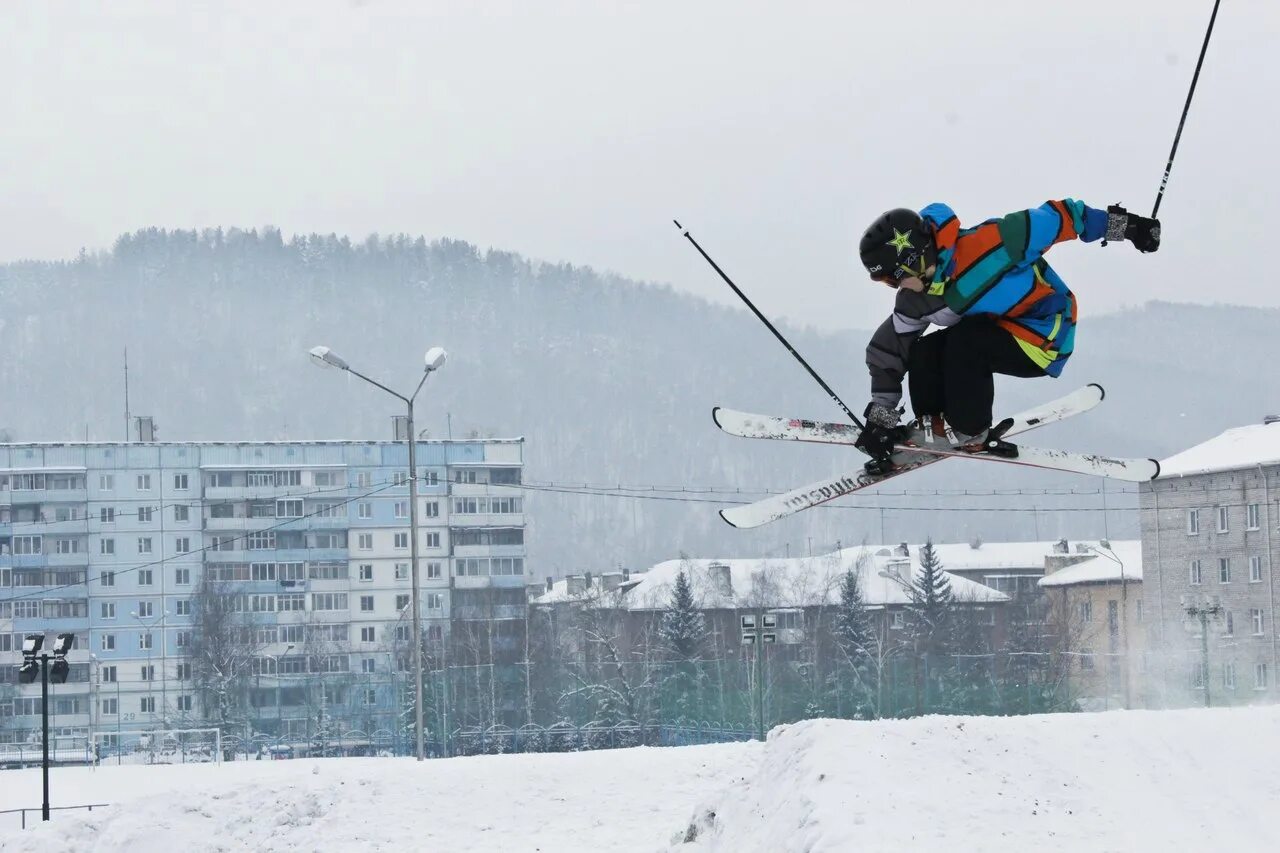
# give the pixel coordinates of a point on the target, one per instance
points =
(931, 609)
(856, 640)
(683, 632)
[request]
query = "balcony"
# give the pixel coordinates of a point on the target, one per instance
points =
(481, 613)
(79, 559)
(489, 581)
(238, 524)
(242, 493)
(488, 550)
(505, 519)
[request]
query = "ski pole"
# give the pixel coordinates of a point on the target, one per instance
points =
(776, 333)
(1187, 106)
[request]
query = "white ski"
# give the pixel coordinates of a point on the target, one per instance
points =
(780, 506)
(747, 425)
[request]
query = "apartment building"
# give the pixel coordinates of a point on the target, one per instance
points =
(1208, 530)
(302, 546)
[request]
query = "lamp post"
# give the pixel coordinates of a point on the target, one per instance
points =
(151, 675)
(1107, 552)
(279, 714)
(434, 359)
(36, 663)
(1202, 612)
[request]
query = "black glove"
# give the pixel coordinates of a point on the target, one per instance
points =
(877, 437)
(1142, 232)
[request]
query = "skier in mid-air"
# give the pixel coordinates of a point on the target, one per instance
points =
(1002, 308)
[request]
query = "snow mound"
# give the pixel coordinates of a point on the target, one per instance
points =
(1137, 780)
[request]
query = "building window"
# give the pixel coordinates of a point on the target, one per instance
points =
(289, 509)
(107, 515)
(1255, 570)
(144, 641)
(327, 478)
(364, 541)
(364, 479)
(402, 571)
(180, 482)
(183, 606)
(367, 634)
(147, 704)
(1195, 573)
(370, 696)
(433, 540)
(433, 570)
(402, 601)
(146, 609)
(1193, 522)
(1224, 570)
(1086, 611)
(107, 642)
(181, 512)
(366, 604)
(107, 674)
(1228, 624)
(364, 509)
(435, 601)
(144, 514)
(183, 672)
(183, 639)
(182, 545)
(107, 578)
(328, 601)
(182, 577)
(898, 620)
(431, 509)
(1256, 620)
(402, 540)
(184, 702)
(1260, 676)
(145, 577)
(144, 544)
(1222, 519)
(261, 540)
(144, 482)
(1138, 610)
(368, 665)
(1253, 517)
(1086, 659)
(110, 707)
(400, 478)
(27, 545)
(108, 610)
(148, 672)
(106, 482)
(1197, 675)
(402, 509)
(366, 571)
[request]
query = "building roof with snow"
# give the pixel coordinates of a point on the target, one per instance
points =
(1241, 447)
(1122, 561)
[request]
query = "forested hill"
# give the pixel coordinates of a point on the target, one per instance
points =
(610, 381)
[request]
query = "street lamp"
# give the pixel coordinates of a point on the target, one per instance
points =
(432, 361)
(279, 714)
(1201, 611)
(151, 675)
(1106, 551)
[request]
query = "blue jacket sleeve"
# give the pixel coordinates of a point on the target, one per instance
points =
(1028, 234)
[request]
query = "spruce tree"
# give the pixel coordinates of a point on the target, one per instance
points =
(683, 632)
(931, 609)
(855, 637)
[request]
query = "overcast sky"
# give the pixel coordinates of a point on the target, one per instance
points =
(577, 131)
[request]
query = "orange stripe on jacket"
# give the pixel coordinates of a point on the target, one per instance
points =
(1066, 227)
(975, 245)
(1019, 331)
(1039, 290)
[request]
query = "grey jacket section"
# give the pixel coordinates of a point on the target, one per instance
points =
(890, 346)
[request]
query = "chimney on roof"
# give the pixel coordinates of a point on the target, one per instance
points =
(975, 543)
(721, 579)
(399, 427)
(902, 550)
(551, 584)
(609, 581)
(573, 584)
(626, 575)
(1271, 419)
(146, 428)
(588, 577)
(900, 566)
(1061, 547)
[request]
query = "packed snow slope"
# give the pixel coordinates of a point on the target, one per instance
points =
(1122, 781)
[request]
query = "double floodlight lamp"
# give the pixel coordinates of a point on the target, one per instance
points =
(325, 357)
(29, 671)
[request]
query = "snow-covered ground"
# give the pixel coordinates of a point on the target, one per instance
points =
(1126, 781)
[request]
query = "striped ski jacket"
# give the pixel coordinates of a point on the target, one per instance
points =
(995, 268)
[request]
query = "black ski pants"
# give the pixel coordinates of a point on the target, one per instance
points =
(950, 371)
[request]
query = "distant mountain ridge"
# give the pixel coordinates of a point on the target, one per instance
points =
(611, 381)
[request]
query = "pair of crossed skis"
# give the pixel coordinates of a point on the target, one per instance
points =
(910, 457)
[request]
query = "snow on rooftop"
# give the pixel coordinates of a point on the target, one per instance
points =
(1241, 447)
(1109, 565)
(809, 581)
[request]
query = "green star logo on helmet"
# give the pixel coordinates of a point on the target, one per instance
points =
(901, 240)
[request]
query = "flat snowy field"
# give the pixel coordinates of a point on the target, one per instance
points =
(1124, 781)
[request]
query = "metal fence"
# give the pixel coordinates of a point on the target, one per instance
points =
(39, 810)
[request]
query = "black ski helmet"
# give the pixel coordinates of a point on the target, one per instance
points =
(896, 245)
